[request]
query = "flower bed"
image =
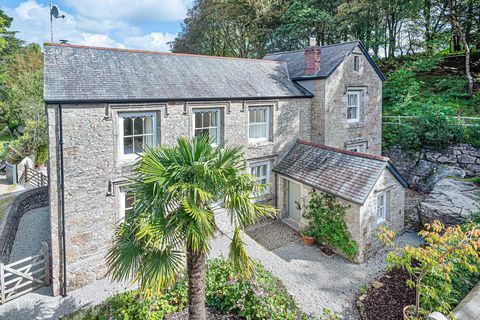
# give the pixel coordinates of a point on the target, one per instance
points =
(261, 297)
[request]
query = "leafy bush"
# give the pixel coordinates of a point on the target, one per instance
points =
(260, 297)
(327, 223)
(432, 129)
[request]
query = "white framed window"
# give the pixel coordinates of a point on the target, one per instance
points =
(357, 147)
(382, 207)
(126, 202)
(353, 106)
(258, 123)
(207, 121)
(356, 63)
(137, 131)
(261, 171)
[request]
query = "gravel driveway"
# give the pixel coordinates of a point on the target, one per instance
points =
(313, 278)
(33, 229)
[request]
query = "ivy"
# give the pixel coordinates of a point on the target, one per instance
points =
(327, 223)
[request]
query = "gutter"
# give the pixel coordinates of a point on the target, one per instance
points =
(155, 100)
(62, 200)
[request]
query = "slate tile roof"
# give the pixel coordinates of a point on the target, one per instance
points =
(83, 74)
(331, 57)
(345, 174)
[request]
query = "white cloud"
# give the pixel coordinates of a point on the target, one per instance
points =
(155, 41)
(104, 27)
(128, 10)
(99, 40)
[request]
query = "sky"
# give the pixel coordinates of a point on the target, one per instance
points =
(133, 24)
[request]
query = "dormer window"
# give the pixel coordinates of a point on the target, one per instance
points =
(356, 63)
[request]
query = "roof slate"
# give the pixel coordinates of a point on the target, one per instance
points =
(345, 174)
(82, 74)
(331, 57)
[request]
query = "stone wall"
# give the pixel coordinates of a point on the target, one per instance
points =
(27, 201)
(91, 162)
(368, 213)
(329, 112)
(423, 169)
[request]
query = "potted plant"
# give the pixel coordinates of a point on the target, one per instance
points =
(308, 238)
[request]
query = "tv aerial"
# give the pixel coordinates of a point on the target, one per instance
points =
(54, 13)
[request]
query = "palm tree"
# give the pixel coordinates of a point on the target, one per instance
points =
(175, 190)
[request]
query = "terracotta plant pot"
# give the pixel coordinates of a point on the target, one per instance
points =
(309, 241)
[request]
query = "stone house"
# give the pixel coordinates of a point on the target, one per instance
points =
(105, 105)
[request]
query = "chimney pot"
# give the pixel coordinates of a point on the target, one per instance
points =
(313, 41)
(312, 58)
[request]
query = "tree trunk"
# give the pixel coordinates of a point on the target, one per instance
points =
(196, 285)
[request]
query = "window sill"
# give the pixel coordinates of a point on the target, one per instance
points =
(353, 125)
(259, 142)
(125, 161)
(382, 222)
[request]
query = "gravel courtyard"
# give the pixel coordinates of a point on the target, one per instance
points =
(33, 229)
(313, 278)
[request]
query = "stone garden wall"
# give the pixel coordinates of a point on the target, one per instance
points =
(437, 176)
(29, 200)
(425, 168)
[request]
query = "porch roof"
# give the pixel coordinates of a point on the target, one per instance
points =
(345, 174)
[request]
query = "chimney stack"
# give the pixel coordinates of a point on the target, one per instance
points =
(312, 58)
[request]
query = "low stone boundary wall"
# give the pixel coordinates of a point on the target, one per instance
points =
(29, 200)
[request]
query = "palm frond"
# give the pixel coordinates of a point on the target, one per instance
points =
(238, 255)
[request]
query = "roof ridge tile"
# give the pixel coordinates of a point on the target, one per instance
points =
(78, 46)
(351, 153)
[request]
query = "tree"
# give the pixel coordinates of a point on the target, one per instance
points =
(304, 19)
(239, 28)
(175, 191)
(445, 249)
(457, 9)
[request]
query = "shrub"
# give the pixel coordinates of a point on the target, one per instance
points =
(259, 297)
(448, 252)
(327, 223)
(262, 297)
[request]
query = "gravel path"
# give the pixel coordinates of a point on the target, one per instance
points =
(40, 305)
(33, 229)
(313, 278)
(272, 234)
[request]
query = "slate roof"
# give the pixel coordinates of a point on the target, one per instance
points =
(345, 174)
(331, 57)
(85, 74)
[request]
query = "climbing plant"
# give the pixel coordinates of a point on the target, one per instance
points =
(327, 223)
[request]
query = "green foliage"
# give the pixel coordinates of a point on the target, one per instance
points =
(23, 105)
(327, 223)
(260, 297)
(432, 129)
(438, 270)
(328, 314)
(363, 288)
